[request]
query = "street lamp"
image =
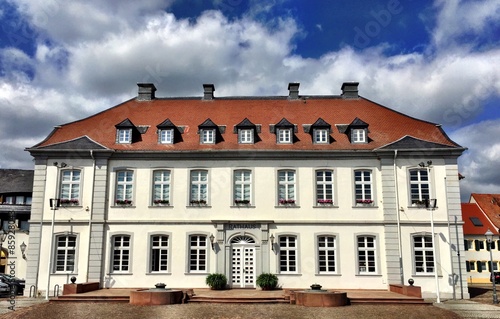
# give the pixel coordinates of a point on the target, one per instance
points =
(55, 203)
(489, 240)
(23, 250)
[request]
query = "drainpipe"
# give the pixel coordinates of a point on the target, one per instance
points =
(401, 273)
(90, 213)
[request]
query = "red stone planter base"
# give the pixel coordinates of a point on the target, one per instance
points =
(411, 291)
(147, 297)
(321, 299)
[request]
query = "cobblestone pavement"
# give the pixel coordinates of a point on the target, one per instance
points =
(470, 309)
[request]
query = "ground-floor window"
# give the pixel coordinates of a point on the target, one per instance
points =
(159, 253)
(326, 254)
(288, 254)
(121, 253)
(423, 254)
(65, 253)
(366, 254)
(197, 253)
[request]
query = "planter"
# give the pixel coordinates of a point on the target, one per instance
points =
(267, 281)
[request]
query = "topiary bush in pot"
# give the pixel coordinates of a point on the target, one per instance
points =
(267, 281)
(216, 281)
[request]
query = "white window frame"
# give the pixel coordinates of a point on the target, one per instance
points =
(198, 253)
(70, 185)
(167, 136)
(421, 264)
(288, 258)
(246, 136)
(358, 135)
(366, 254)
(124, 136)
(242, 185)
(124, 188)
(121, 254)
(66, 254)
(162, 182)
(159, 261)
(208, 136)
(321, 136)
(284, 136)
(287, 189)
(197, 185)
(419, 185)
(363, 188)
(327, 256)
(323, 185)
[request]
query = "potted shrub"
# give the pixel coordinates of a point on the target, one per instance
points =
(267, 281)
(216, 281)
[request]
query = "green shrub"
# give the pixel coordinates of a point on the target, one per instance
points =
(216, 281)
(267, 281)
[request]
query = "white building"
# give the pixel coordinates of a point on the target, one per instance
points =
(317, 189)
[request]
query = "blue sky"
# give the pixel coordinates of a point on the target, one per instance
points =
(435, 60)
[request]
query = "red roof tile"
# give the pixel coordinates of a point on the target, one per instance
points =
(385, 125)
(490, 205)
(470, 210)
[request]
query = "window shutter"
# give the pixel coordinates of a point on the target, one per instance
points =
(465, 245)
(498, 245)
(479, 268)
(487, 246)
(492, 244)
(476, 243)
(467, 266)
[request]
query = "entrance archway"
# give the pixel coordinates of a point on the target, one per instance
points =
(243, 262)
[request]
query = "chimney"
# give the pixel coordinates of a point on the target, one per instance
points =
(208, 91)
(146, 91)
(350, 90)
(293, 91)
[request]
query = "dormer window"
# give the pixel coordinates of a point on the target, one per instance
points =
(358, 135)
(208, 136)
(245, 136)
(166, 136)
(320, 131)
(247, 132)
(125, 136)
(284, 131)
(320, 136)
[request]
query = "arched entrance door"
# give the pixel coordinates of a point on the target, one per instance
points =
(243, 262)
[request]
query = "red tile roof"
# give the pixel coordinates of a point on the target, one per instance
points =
(490, 205)
(385, 125)
(471, 210)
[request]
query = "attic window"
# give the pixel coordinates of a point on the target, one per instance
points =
(208, 136)
(124, 136)
(167, 136)
(127, 132)
(284, 132)
(320, 131)
(476, 221)
(210, 133)
(247, 132)
(358, 135)
(358, 131)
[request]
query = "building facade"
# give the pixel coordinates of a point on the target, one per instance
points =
(317, 189)
(480, 215)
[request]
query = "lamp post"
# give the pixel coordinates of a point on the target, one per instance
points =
(489, 239)
(54, 205)
(23, 250)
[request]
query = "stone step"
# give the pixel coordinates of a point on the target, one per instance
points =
(236, 300)
(392, 301)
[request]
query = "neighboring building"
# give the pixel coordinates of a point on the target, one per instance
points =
(480, 214)
(317, 189)
(16, 186)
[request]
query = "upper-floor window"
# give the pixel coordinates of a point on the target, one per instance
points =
(65, 253)
(358, 135)
(124, 136)
(199, 187)
(419, 186)
(124, 187)
(327, 248)
(288, 254)
(320, 136)
(159, 253)
(363, 188)
(286, 187)
(120, 258)
(198, 248)
(324, 187)
(468, 244)
(70, 186)
(367, 252)
(208, 136)
(161, 187)
(423, 255)
(242, 186)
(285, 136)
(17, 200)
(167, 136)
(246, 136)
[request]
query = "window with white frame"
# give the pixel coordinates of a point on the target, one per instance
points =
(198, 253)
(285, 136)
(327, 254)
(208, 136)
(423, 254)
(286, 187)
(199, 187)
(242, 186)
(65, 253)
(120, 259)
(124, 187)
(288, 254)
(245, 136)
(70, 186)
(470, 265)
(479, 244)
(161, 187)
(320, 136)
(124, 136)
(367, 251)
(363, 182)
(468, 244)
(159, 253)
(358, 135)
(481, 266)
(167, 136)
(324, 187)
(419, 186)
